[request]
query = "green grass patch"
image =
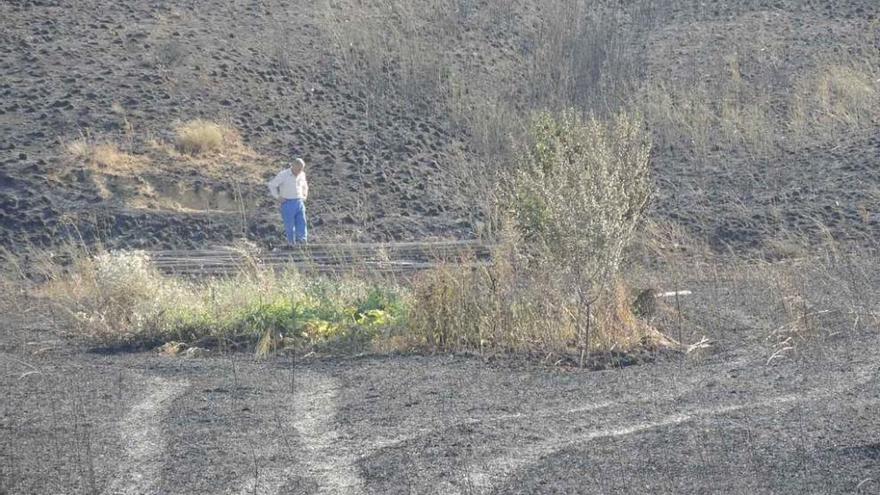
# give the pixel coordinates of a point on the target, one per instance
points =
(119, 299)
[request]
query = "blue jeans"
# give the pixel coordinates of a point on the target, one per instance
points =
(293, 212)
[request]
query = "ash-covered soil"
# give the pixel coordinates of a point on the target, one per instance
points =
(749, 412)
(761, 409)
(86, 423)
(381, 160)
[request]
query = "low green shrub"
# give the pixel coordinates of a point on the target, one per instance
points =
(512, 307)
(118, 298)
(578, 192)
(565, 214)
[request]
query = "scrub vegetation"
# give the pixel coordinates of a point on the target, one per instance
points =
(563, 220)
(553, 288)
(574, 136)
(105, 156)
(119, 299)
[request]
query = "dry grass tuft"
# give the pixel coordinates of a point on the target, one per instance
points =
(836, 96)
(105, 156)
(825, 102)
(514, 309)
(199, 136)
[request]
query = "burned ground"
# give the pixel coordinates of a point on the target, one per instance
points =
(764, 117)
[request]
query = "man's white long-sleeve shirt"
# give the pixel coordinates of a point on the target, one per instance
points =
(285, 185)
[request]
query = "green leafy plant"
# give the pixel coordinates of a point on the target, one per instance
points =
(119, 298)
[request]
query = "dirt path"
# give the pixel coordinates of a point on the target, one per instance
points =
(316, 425)
(314, 410)
(497, 470)
(486, 475)
(143, 433)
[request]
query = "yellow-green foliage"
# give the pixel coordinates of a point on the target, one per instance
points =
(567, 213)
(580, 189)
(119, 298)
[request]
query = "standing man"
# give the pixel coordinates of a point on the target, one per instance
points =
(291, 188)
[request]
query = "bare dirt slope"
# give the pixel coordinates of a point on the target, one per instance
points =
(66, 64)
(385, 104)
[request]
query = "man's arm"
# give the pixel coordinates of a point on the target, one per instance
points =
(274, 184)
(305, 190)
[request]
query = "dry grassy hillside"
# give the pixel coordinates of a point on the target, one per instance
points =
(765, 114)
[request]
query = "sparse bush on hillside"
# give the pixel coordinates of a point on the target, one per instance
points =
(201, 136)
(595, 56)
(386, 44)
(170, 54)
(580, 189)
(575, 54)
(583, 56)
(566, 214)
